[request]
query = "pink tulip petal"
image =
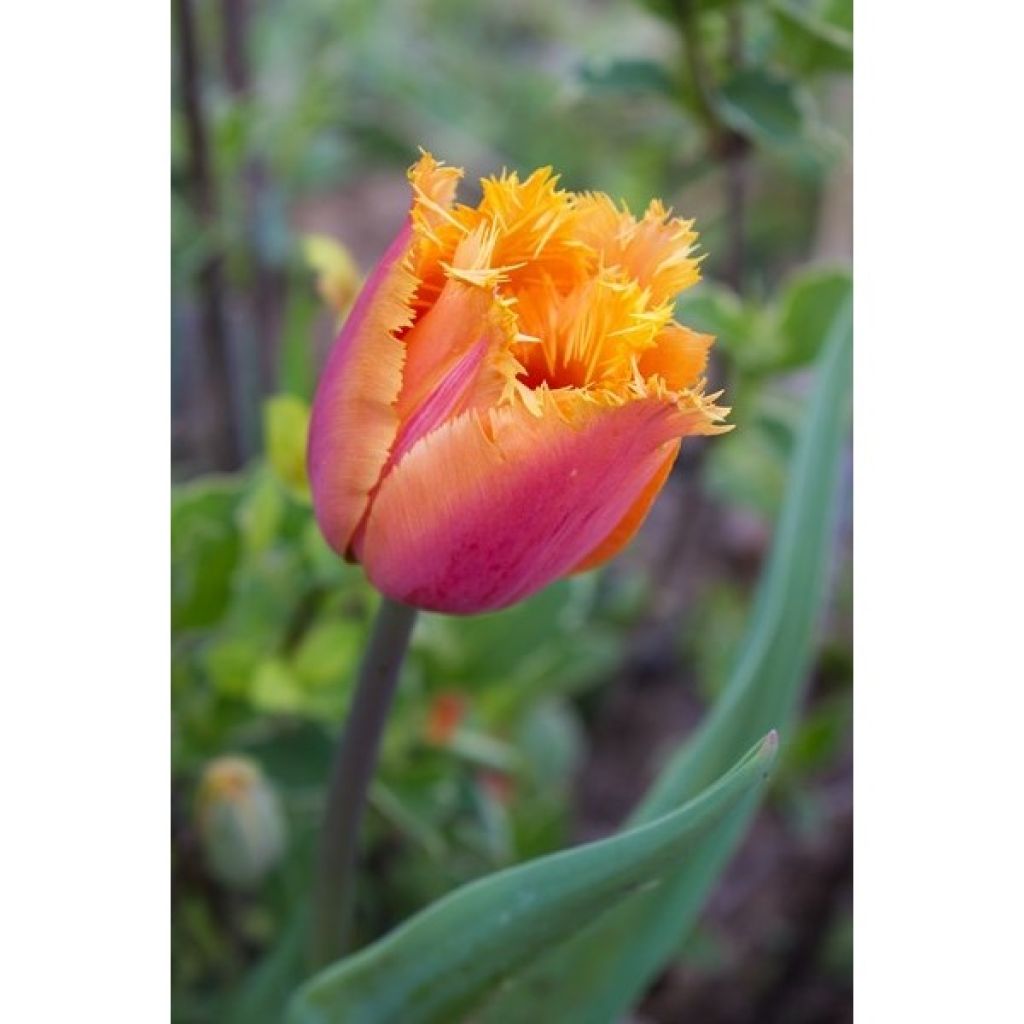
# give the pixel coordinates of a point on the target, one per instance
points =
(354, 422)
(626, 528)
(484, 511)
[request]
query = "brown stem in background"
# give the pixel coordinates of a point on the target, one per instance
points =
(736, 172)
(221, 438)
(727, 147)
(266, 284)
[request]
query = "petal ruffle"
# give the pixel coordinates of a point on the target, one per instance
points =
(354, 421)
(656, 250)
(484, 511)
(679, 357)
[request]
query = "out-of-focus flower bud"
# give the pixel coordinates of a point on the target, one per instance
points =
(338, 279)
(241, 822)
(285, 429)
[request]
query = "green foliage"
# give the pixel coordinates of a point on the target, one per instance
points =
(765, 338)
(764, 106)
(444, 963)
(812, 41)
(204, 552)
(763, 341)
(629, 77)
(268, 629)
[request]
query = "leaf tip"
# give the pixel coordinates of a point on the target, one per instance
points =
(769, 750)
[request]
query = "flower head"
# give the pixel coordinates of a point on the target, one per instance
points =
(509, 392)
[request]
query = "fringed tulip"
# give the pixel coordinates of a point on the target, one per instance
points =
(509, 392)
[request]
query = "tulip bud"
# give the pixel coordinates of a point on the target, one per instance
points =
(241, 823)
(509, 392)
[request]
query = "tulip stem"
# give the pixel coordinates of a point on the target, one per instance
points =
(354, 763)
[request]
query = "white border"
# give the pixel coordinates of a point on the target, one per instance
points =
(939, 515)
(84, 763)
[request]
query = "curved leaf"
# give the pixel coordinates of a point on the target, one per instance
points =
(595, 977)
(441, 964)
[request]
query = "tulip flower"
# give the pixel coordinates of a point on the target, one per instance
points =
(509, 392)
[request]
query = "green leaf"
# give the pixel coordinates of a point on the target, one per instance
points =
(629, 77)
(595, 977)
(328, 654)
(809, 43)
(440, 965)
(204, 551)
(716, 309)
(808, 307)
(764, 106)
(260, 512)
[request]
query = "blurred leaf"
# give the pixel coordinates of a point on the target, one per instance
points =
(286, 428)
(440, 965)
(276, 688)
(485, 751)
(263, 995)
(628, 76)
(808, 306)
(328, 654)
(714, 634)
(749, 467)
(204, 551)
(818, 740)
(763, 106)
(808, 43)
(716, 309)
(230, 661)
(746, 469)
(670, 9)
(596, 976)
(260, 512)
(551, 740)
(390, 805)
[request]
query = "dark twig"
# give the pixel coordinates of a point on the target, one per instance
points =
(221, 435)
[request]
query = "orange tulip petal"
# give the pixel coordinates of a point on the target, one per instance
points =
(679, 357)
(486, 510)
(655, 251)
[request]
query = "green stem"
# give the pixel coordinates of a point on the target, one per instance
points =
(353, 770)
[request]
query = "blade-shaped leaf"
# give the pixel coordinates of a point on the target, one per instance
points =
(595, 977)
(440, 965)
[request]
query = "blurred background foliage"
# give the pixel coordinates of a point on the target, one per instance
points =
(521, 732)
